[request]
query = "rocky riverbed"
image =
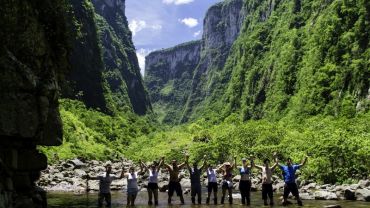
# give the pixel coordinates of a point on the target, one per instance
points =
(70, 176)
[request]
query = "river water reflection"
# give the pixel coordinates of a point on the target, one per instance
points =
(59, 200)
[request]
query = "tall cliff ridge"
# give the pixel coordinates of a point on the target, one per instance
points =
(291, 58)
(168, 76)
(222, 25)
(33, 62)
(106, 72)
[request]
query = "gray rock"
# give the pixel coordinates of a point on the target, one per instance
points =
(163, 186)
(77, 163)
(364, 183)
(236, 178)
(185, 183)
(363, 195)
(306, 196)
(325, 195)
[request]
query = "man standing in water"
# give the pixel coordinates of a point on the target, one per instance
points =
(196, 187)
(104, 185)
(267, 189)
(289, 178)
(174, 184)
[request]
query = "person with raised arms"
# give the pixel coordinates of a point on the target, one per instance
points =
(245, 180)
(153, 180)
(267, 190)
(227, 180)
(212, 182)
(104, 185)
(289, 179)
(174, 183)
(132, 186)
(196, 186)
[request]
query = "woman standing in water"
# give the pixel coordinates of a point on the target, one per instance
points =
(153, 180)
(132, 187)
(245, 180)
(227, 180)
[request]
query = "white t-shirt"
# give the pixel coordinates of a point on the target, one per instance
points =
(153, 176)
(105, 182)
(132, 181)
(211, 174)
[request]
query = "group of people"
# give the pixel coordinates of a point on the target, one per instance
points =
(226, 169)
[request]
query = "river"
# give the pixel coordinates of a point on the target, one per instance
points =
(70, 200)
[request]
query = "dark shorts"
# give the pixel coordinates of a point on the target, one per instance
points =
(212, 186)
(107, 198)
(290, 188)
(225, 185)
(267, 191)
(245, 187)
(152, 186)
(196, 189)
(174, 186)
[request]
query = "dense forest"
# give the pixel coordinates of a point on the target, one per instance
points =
(293, 77)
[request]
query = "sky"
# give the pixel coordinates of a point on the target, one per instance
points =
(158, 24)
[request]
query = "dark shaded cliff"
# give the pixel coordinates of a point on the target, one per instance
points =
(106, 73)
(33, 62)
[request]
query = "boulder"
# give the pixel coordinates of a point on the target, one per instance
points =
(325, 195)
(306, 196)
(363, 195)
(349, 194)
(163, 186)
(364, 183)
(236, 178)
(77, 163)
(79, 173)
(185, 183)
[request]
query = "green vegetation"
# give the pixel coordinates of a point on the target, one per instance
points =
(94, 135)
(296, 81)
(339, 149)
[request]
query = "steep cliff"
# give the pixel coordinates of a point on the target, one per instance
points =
(33, 62)
(222, 25)
(291, 58)
(168, 75)
(105, 74)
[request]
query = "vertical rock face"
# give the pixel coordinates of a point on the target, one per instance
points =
(33, 61)
(106, 73)
(222, 25)
(168, 75)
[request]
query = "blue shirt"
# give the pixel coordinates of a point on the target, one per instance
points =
(289, 172)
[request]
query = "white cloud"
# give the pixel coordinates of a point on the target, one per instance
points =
(190, 22)
(141, 53)
(197, 33)
(177, 2)
(139, 25)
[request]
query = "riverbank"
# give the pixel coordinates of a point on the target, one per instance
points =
(70, 176)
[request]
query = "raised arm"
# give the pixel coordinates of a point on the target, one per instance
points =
(143, 166)
(304, 161)
(88, 177)
(185, 163)
(251, 158)
(204, 163)
(234, 165)
(160, 164)
(276, 161)
(220, 168)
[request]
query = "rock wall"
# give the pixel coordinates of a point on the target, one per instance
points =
(168, 76)
(222, 25)
(33, 61)
(106, 73)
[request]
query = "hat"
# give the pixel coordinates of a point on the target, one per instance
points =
(244, 159)
(227, 164)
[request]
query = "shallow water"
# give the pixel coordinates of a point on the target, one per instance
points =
(58, 200)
